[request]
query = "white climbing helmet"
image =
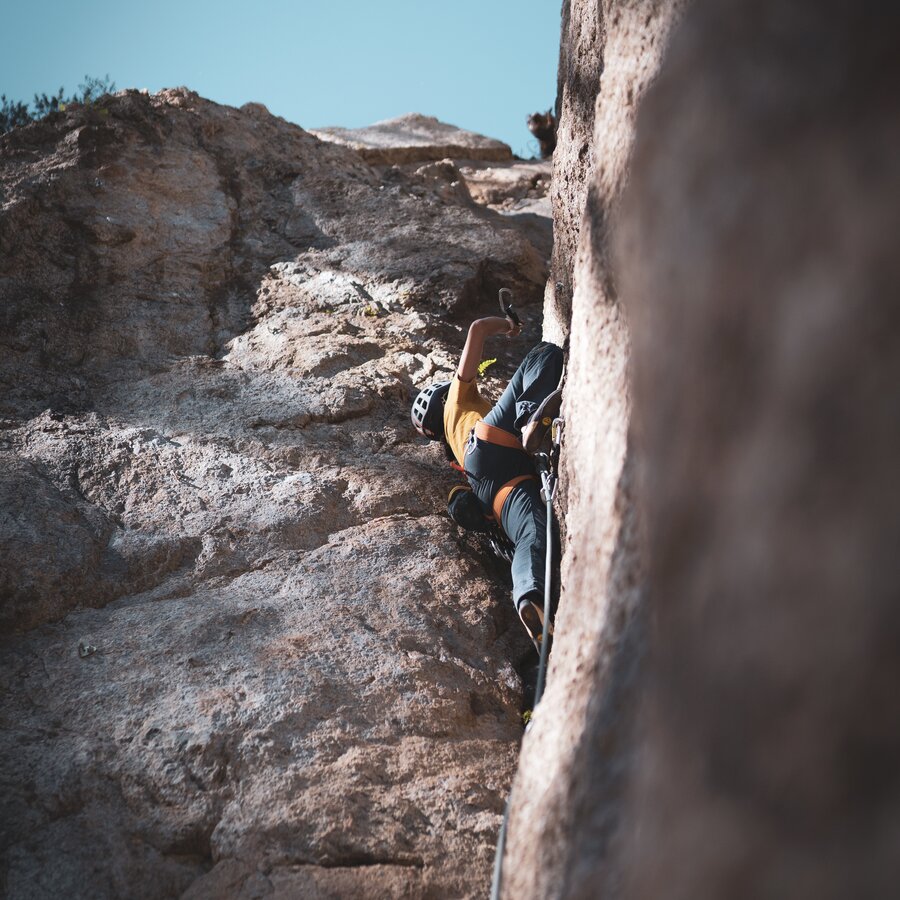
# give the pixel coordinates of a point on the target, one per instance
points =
(428, 411)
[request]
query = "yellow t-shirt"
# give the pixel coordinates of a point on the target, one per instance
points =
(463, 409)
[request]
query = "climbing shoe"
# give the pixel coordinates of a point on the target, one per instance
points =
(532, 616)
(538, 425)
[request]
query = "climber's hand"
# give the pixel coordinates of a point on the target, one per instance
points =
(479, 330)
(515, 328)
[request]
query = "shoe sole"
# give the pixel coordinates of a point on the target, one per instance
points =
(541, 420)
(533, 619)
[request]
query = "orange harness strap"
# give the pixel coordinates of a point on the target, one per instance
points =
(504, 492)
(494, 435)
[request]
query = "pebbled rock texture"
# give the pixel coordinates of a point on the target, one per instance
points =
(244, 652)
(583, 31)
(760, 270)
(415, 138)
(569, 790)
(720, 719)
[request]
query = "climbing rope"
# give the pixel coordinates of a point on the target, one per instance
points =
(548, 466)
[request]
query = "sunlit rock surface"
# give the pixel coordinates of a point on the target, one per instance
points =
(245, 653)
(415, 138)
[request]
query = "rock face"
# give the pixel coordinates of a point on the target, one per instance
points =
(582, 41)
(245, 653)
(415, 138)
(518, 190)
(731, 567)
(503, 187)
(759, 267)
(569, 790)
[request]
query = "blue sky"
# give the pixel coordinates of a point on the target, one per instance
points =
(481, 65)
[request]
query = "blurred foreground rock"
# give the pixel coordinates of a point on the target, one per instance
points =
(721, 718)
(245, 653)
(759, 265)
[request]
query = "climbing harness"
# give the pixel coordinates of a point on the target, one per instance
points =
(548, 468)
(495, 463)
(498, 451)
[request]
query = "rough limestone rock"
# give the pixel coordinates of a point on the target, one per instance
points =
(245, 653)
(502, 187)
(759, 266)
(583, 33)
(519, 190)
(731, 568)
(415, 138)
(568, 793)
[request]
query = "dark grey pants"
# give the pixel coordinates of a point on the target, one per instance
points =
(524, 514)
(536, 378)
(525, 523)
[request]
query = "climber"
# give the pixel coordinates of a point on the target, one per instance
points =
(492, 445)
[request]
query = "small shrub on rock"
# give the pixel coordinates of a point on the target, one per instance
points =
(14, 113)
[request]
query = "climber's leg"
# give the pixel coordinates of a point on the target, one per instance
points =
(536, 378)
(525, 523)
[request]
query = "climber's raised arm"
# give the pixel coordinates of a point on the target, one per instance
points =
(479, 331)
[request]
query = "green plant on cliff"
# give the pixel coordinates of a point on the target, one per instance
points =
(14, 112)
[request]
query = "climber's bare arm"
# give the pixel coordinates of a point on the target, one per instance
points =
(479, 331)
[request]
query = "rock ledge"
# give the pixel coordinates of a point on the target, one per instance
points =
(415, 138)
